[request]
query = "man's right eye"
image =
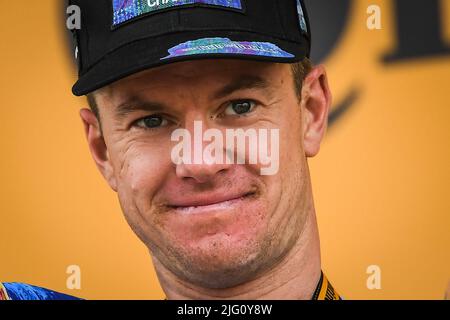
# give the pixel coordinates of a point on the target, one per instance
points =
(151, 122)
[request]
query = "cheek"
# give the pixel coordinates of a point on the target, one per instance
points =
(291, 178)
(291, 140)
(140, 169)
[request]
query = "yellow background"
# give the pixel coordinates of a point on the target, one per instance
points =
(381, 181)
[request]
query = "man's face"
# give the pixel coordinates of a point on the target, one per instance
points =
(214, 225)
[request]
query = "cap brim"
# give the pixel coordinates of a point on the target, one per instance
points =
(144, 54)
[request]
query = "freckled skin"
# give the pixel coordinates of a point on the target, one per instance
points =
(223, 248)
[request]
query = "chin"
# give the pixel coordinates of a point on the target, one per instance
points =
(216, 246)
(222, 263)
(219, 259)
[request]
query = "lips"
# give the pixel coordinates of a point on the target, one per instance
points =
(208, 200)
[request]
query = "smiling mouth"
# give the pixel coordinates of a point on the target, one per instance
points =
(213, 206)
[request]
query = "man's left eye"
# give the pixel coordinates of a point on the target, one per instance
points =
(240, 107)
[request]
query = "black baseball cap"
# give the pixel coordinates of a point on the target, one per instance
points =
(120, 37)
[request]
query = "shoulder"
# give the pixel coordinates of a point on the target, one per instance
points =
(22, 291)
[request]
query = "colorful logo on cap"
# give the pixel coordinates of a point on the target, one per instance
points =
(301, 16)
(227, 46)
(125, 10)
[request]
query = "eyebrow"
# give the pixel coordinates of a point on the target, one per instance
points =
(136, 104)
(242, 83)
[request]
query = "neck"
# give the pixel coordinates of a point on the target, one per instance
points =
(293, 278)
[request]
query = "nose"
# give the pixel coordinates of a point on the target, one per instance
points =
(200, 173)
(199, 166)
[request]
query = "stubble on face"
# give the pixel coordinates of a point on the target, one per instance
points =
(228, 246)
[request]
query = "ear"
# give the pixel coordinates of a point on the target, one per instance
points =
(316, 102)
(97, 146)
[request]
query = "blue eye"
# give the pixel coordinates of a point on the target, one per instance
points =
(240, 107)
(151, 122)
